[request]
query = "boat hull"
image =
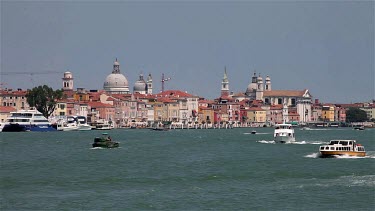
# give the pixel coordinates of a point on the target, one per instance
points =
(26, 128)
(284, 139)
(342, 153)
(106, 144)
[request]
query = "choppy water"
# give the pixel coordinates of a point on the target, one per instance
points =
(184, 170)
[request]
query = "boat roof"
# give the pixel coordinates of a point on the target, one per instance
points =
(283, 124)
(342, 140)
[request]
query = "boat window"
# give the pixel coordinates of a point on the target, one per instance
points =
(350, 143)
(321, 148)
(332, 148)
(344, 143)
(327, 148)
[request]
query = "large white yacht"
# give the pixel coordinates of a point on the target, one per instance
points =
(27, 120)
(284, 133)
(73, 123)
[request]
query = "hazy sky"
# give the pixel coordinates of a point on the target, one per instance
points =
(326, 47)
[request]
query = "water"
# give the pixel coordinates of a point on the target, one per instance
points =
(226, 169)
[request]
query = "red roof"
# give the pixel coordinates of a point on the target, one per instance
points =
(7, 109)
(174, 93)
(286, 93)
(99, 105)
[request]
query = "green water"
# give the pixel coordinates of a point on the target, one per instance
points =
(226, 169)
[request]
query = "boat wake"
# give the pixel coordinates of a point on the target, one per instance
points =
(266, 142)
(256, 133)
(317, 155)
(313, 155)
(307, 142)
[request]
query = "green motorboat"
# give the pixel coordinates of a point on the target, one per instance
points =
(105, 142)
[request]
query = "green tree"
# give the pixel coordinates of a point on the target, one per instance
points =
(356, 115)
(44, 99)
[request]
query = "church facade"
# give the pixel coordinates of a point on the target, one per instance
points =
(301, 100)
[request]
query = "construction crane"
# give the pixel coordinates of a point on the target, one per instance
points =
(30, 73)
(162, 81)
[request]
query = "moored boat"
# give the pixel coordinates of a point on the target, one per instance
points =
(105, 142)
(27, 120)
(253, 132)
(74, 123)
(284, 133)
(359, 128)
(342, 147)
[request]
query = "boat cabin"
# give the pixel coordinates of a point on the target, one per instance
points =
(342, 145)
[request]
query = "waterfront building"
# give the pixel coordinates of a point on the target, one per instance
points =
(14, 98)
(255, 116)
(100, 111)
(5, 112)
(116, 83)
(328, 113)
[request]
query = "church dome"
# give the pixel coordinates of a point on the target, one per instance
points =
(116, 82)
(140, 85)
(251, 87)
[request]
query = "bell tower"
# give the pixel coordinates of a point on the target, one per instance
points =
(149, 84)
(225, 84)
(67, 81)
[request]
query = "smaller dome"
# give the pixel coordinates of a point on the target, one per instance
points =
(260, 79)
(268, 78)
(140, 85)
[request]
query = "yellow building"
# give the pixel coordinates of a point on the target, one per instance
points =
(328, 113)
(206, 115)
(370, 111)
(256, 115)
(61, 109)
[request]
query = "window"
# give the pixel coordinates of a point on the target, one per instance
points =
(279, 101)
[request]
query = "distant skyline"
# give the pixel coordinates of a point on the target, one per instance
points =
(326, 47)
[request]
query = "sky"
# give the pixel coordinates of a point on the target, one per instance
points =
(326, 47)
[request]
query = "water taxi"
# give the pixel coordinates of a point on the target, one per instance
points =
(284, 133)
(342, 147)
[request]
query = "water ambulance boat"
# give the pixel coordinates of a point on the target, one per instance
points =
(284, 133)
(342, 147)
(105, 142)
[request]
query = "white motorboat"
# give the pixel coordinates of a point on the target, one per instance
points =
(284, 133)
(73, 123)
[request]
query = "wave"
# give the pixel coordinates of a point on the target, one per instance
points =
(313, 155)
(256, 133)
(317, 155)
(266, 142)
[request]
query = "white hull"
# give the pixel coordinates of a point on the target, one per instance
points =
(75, 128)
(284, 133)
(284, 139)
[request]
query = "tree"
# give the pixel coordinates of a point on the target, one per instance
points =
(356, 115)
(44, 99)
